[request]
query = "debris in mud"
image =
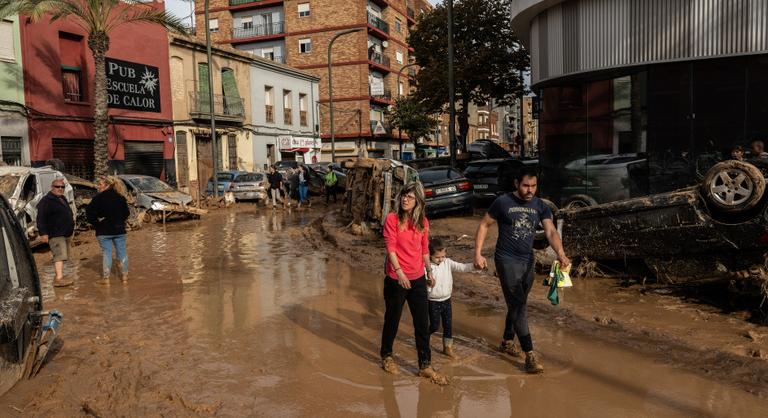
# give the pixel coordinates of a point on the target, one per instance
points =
(603, 320)
(758, 353)
(88, 410)
(372, 186)
(751, 335)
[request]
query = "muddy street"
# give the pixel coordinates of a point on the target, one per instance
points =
(238, 315)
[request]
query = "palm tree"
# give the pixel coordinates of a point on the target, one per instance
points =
(99, 18)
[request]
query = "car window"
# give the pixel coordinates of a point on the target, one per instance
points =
(150, 185)
(225, 176)
(483, 170)
(8, 185)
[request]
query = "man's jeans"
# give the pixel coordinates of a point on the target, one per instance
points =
(106, 242)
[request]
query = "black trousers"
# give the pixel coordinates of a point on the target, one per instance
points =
(516, 280)
(395, 297)
(441, 312)
(330, 191)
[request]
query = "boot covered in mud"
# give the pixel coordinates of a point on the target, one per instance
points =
(389, 365)
(433, 376)
(532, 364)
(448, 348)
(509, 347)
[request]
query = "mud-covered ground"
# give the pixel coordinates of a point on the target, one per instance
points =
(253, 313)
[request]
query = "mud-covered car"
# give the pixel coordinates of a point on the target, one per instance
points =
(24, 187)
(156, 198)
(26, 331)
(720, 224)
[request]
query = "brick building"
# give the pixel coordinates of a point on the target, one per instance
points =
(365, 63)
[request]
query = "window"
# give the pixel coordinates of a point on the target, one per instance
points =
(399, 57)
(71, 81)
(246, 22)
(305, 46)
(269, 102)
(213, 24)
(303, 109)
(287, 108)
(303, 9)
(232, 151)
(398, 25)
(10, 149)
(7, 42)
(401, 89)
(268, 53)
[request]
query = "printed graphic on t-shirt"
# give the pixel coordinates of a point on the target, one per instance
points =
(522, 221)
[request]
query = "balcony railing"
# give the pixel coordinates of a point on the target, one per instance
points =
(269, 110)
(303, 117)
(385, 95)
(411, 13)
(377, 23)
(380, 59)
(241, 2)
(288, 116)
(411, 73)
(267, 29)
(229, 107)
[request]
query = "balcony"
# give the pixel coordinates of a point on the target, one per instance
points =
(411, 15)
(379, 60)
(269, 29)
(303, 117)
(255, 2)
(412, 73)
(288, 116)
(224, 108)
(384, 96)
(269, 111)
(378, 24)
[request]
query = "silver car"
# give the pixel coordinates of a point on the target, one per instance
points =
(249, 186)
(24, 187)
(154, 196)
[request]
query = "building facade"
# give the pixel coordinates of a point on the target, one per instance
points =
(642, 96)
(60, 98)
(14, 139)
(366, 63)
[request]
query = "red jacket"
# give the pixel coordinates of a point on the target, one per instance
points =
(409, 244)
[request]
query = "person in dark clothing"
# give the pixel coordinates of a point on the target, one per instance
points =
(56, 225)
(108, 212)
(275, 184)
(293, 180)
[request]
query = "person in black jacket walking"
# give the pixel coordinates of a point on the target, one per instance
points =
(56, 224)
(108, 212)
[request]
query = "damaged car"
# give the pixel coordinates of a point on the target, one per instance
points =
(156, 199)
(24, 187)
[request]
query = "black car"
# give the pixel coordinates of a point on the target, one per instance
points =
(446, 190)
(492, 178)
(487, 149)
(24, 335)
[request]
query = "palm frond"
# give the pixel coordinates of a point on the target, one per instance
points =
(140, 14)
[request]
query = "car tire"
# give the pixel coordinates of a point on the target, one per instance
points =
(579, 201)
(733, 186)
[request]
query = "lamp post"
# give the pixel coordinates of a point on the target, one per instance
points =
(210, 99)
(330, 87)
(451, 87)
(399, 131)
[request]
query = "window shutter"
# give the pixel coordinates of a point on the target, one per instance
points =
(203, 89)
(6, 40)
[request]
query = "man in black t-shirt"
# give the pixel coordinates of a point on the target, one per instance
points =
(517, 214)
(275, 184)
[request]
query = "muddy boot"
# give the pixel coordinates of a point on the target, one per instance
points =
(433, 376)
(104, 281)
(389, 366)
(448, 348)
(532, 364)
(509, 347)
(124, 278)
(62, 282)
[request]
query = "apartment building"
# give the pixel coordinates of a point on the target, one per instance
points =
(367, 64)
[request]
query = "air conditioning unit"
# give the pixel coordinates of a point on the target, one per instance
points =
(384, 44)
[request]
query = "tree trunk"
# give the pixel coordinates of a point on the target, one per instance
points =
(463, 117)
(98, 42)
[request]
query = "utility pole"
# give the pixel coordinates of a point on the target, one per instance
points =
(400, 131)
(451, 87)
(210, 100)
(330, 87)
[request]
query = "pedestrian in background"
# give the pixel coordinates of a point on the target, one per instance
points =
(56, 226)
(304, 186)
(291, 189)
(330, 181)
(275, 180)
(108, 212)
(737, 153)
(406, 234)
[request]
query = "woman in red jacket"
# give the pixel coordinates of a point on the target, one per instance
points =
(406, 233)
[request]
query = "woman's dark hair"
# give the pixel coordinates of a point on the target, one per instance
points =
(435, 245)
(417, 216)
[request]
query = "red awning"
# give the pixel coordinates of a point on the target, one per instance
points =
(301, 150)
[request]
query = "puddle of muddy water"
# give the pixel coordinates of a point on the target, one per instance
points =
(238, 315)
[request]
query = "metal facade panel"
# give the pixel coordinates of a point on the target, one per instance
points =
(587, 35)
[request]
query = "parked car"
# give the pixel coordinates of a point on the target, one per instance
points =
(486, 149)
(283, 166)
(153, 196)
(24, 187)
(446, 190)
(249, 186)
(322, 169)
(492, 178)
(599, 178)
(26, 331)
(224, 179)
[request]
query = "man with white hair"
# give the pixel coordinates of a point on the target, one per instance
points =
(56, 225)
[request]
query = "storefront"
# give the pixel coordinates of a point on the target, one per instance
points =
(299, 148)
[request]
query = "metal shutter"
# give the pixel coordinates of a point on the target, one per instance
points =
(77, 156)
(144, 158)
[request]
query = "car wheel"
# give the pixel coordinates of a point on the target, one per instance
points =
(579, 201)
(733, 186)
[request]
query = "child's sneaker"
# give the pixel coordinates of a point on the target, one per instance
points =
(448, 348)
(509, 347)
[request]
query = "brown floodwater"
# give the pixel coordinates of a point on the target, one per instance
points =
(239, 315)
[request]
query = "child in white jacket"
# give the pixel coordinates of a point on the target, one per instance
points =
(440, 294)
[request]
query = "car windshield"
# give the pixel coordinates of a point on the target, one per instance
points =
(8, 185)
(486, 169)
(434, 176)
(150, 185)
(225, 176)
(286, 164)
(247, 178)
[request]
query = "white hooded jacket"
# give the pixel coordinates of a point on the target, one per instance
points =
(444, 278)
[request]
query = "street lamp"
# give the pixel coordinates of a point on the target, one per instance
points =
(399, 73)
(399, 131)
(330, 87)
(210, 99)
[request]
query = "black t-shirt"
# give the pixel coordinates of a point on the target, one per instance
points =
(274, 180)
(517, 221)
